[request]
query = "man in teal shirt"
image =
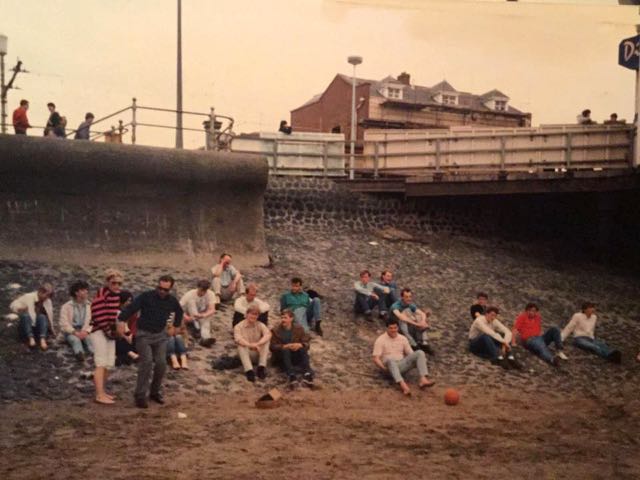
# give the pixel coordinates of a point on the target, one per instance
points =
(305, 309)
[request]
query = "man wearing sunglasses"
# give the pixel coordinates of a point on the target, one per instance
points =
(155, 307)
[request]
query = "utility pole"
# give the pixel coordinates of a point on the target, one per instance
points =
(179, 80)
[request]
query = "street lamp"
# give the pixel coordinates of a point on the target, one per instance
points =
(3, 88)
(353, 60)
(179, 80)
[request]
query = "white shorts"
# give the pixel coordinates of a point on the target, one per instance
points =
(104, 350)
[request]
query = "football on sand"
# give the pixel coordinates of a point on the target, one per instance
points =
(451, 396)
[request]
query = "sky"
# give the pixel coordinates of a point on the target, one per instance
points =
(256, 60)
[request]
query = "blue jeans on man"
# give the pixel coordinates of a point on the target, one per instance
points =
(79, 346)
(485, 346)
(366, 303)
(309, 316)
(388, 299)
(287, 359)
(27, 329)
(540, 344)
(593, 345)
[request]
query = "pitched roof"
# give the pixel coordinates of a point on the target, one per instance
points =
(493, 94)
(443, 86)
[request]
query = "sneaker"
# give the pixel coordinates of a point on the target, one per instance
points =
(262, 372)
(292, 378)
(307, 379)
(562, 356)
(251, 375)
(318, 329)
(615, 357)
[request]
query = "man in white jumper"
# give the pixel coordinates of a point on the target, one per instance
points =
(199, 307)
(583, 325)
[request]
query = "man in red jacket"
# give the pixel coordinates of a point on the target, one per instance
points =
(528, 326)
(20, 120)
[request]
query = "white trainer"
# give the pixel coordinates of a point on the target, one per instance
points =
(562, 356)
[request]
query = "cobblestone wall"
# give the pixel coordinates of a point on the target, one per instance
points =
(323, 203)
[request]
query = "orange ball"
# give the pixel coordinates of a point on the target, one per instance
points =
(451, 396)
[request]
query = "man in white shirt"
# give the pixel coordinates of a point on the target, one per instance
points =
(393, 355)
(489, 338)
(369, 295)
(252, 338)
(36, 315)
(583, 325)
(199, 307)
(241, 304)
(227, 280)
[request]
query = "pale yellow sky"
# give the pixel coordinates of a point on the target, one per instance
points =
(255, 60)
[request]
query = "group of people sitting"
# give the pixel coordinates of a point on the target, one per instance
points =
(154, 328)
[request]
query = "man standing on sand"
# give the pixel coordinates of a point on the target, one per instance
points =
(227, 280)
(155, 307)
(20, 120)
(394, 356)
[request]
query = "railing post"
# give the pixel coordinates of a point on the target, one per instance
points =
(212, 129)
(120, 127)
(325, 157)
(376, 159)
(133, 121)
(275, 155)
(568, 150)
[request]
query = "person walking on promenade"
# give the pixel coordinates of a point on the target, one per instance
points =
(84, 129)
(54, 125)
(155, 307)
(20, 120)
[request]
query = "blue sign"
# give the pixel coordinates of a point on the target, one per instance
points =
(629, 53)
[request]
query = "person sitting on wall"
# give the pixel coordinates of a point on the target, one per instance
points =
(306, 310)
(585, 118)
(583, 325)
(388, 299)
(75, 320)
(369, 295)
(393, 355)
(528, 327)
(199, 307)
(613, 120)
(241, 304)
(252, 338)
(126, 344)
(290, 347)
(35, 311)
(227, 280)
(413, 321)
(489, 338)
(480, 307)
(284, 128)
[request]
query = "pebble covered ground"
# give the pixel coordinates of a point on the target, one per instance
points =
(444, 273)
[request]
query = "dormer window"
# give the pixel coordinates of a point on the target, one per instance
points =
(449, 99)
(393, 92)
(500, 105)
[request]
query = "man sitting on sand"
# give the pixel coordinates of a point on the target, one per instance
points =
(227, 280)
(480, 307)
(528, 327)
(252, 338)
(36, 316)
(241, 304)
(306, 311)
(583, 325)
(290, 347)
(489, 338)
(394, 356)
(199, 306)
(413, 321)
(75, 320)
(369, 295)
(387, 281)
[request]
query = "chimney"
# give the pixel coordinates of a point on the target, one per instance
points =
(404, 78)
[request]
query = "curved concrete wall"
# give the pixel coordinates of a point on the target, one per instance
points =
(65, 196)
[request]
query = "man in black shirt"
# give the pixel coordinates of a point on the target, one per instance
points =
(155, 307)
(480, 307)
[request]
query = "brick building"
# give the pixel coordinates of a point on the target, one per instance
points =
(395, 103)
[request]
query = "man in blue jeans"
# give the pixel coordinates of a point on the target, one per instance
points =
(36, 315)
(528, 326)
(390, 297)
(583, 325)
(369, 295)
(413, 321)
(306, 310)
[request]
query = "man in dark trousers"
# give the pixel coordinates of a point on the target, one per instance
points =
(155, 307)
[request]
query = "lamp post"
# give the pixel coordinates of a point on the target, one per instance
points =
(353, 60)
(179, 80)
(3, 88)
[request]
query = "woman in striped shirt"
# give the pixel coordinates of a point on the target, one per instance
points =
(105, 308)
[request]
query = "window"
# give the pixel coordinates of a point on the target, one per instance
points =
(449, 99)
(501, 105)
(394, 92)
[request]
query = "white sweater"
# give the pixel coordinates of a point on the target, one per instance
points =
(480, 326)
(580, 326)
